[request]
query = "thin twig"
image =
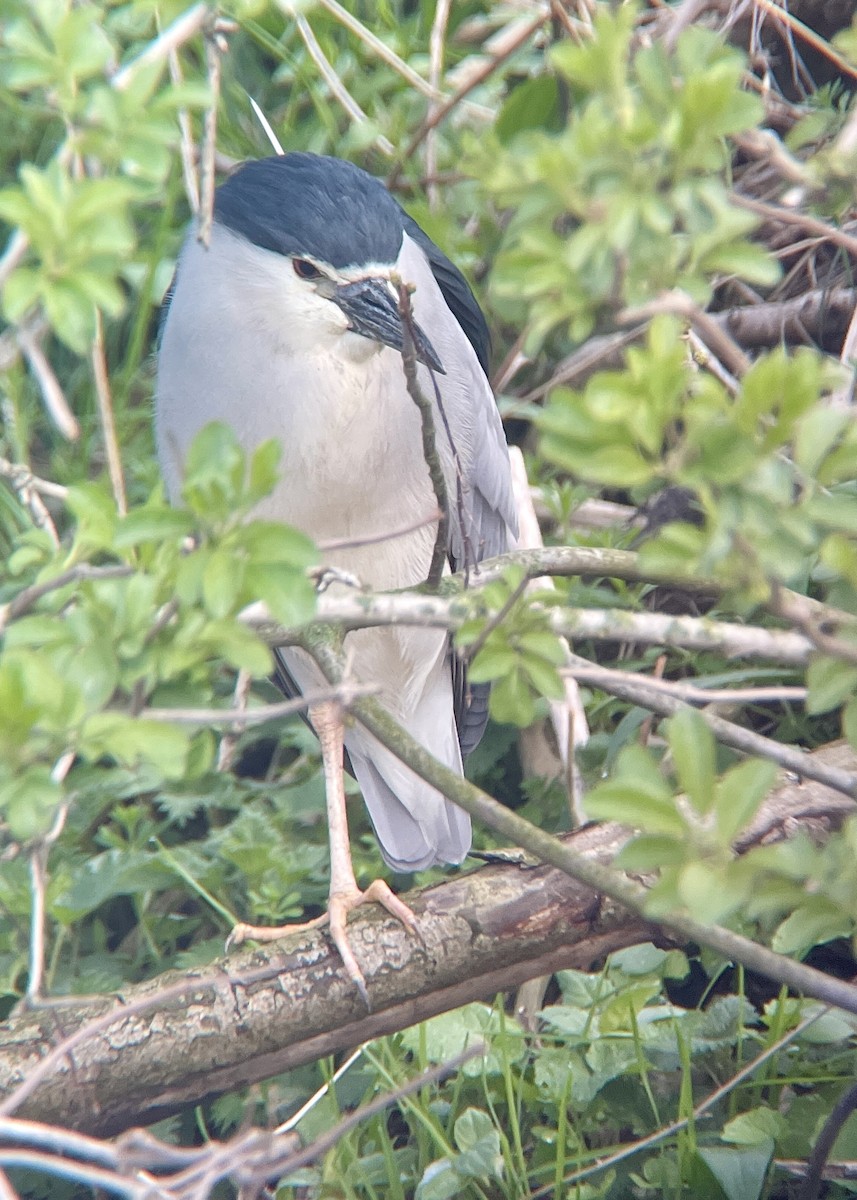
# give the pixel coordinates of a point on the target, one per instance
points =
(276, 145)
(332, 1137)
(166, 43)
(790, 216)
(825, 1142)
(229, 738)
(374, 539)
(105, 413)
(637, 691)
(328, 74)
(22, 478)
(439, 114)
(52, 393)
(430, 451)
(244, 717)
(13, 255)
(186, 144)
(90, 1176)
(780, 13)
(309, 1105)
(680, 304)
(29, 487)
(81, 573)
(437, 40)
(380, 48)
(38, 885)
(209, 138)
(690, 693)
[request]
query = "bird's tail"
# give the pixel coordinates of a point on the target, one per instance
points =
(415, 825)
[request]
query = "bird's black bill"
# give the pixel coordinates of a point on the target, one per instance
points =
(373, 313)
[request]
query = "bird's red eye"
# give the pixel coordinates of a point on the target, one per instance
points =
(304, 269)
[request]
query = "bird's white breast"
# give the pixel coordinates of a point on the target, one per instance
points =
(236, 348)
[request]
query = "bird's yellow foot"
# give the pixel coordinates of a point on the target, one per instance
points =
(340, 904)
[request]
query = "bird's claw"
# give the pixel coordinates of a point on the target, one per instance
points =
(342, 903)
(339, 906)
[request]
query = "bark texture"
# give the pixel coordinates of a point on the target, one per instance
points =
(105, 1065)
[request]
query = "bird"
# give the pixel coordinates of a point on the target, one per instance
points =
(288, 324)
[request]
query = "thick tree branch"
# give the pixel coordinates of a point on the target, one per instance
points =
(104, 1065)
(168, 1043)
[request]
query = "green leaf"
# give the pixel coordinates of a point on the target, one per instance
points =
(151, 524)
(133, 741)
(478, 1141)
(741, 1172)
(221, 582)
(439, 1181)
(29, 803)
(819, 919)
(830, 682)
(756, 1127)
(693, 752)
(739, 793)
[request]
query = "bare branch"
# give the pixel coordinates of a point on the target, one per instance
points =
(430, 451)
(328, 74)
(416, 609)
(105, 413)
(185, 27)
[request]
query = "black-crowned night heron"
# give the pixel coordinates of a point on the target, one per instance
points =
(287, 325)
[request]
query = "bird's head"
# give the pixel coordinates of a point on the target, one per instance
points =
(325, 238)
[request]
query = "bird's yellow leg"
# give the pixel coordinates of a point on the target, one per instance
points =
(345, 895)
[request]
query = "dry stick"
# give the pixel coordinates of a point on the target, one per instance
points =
(29, 488)
(437, 39)
(549, 849)
(745, 740)
(781, 14)
(443, 110)
(595, 674)
(209, 139)
(328, 74)
(105, 413)
(244, 717)
(187, 147)
(332, 1137)
(680, 304)
(23, 479)
(430, 451)
(166, 43)
(38, 883)
(768, 323)
(229, 737)
(52, 393)
(825, 1142)
(789, 216)
(383, 51)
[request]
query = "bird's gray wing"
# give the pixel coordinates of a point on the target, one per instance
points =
(470, 439)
